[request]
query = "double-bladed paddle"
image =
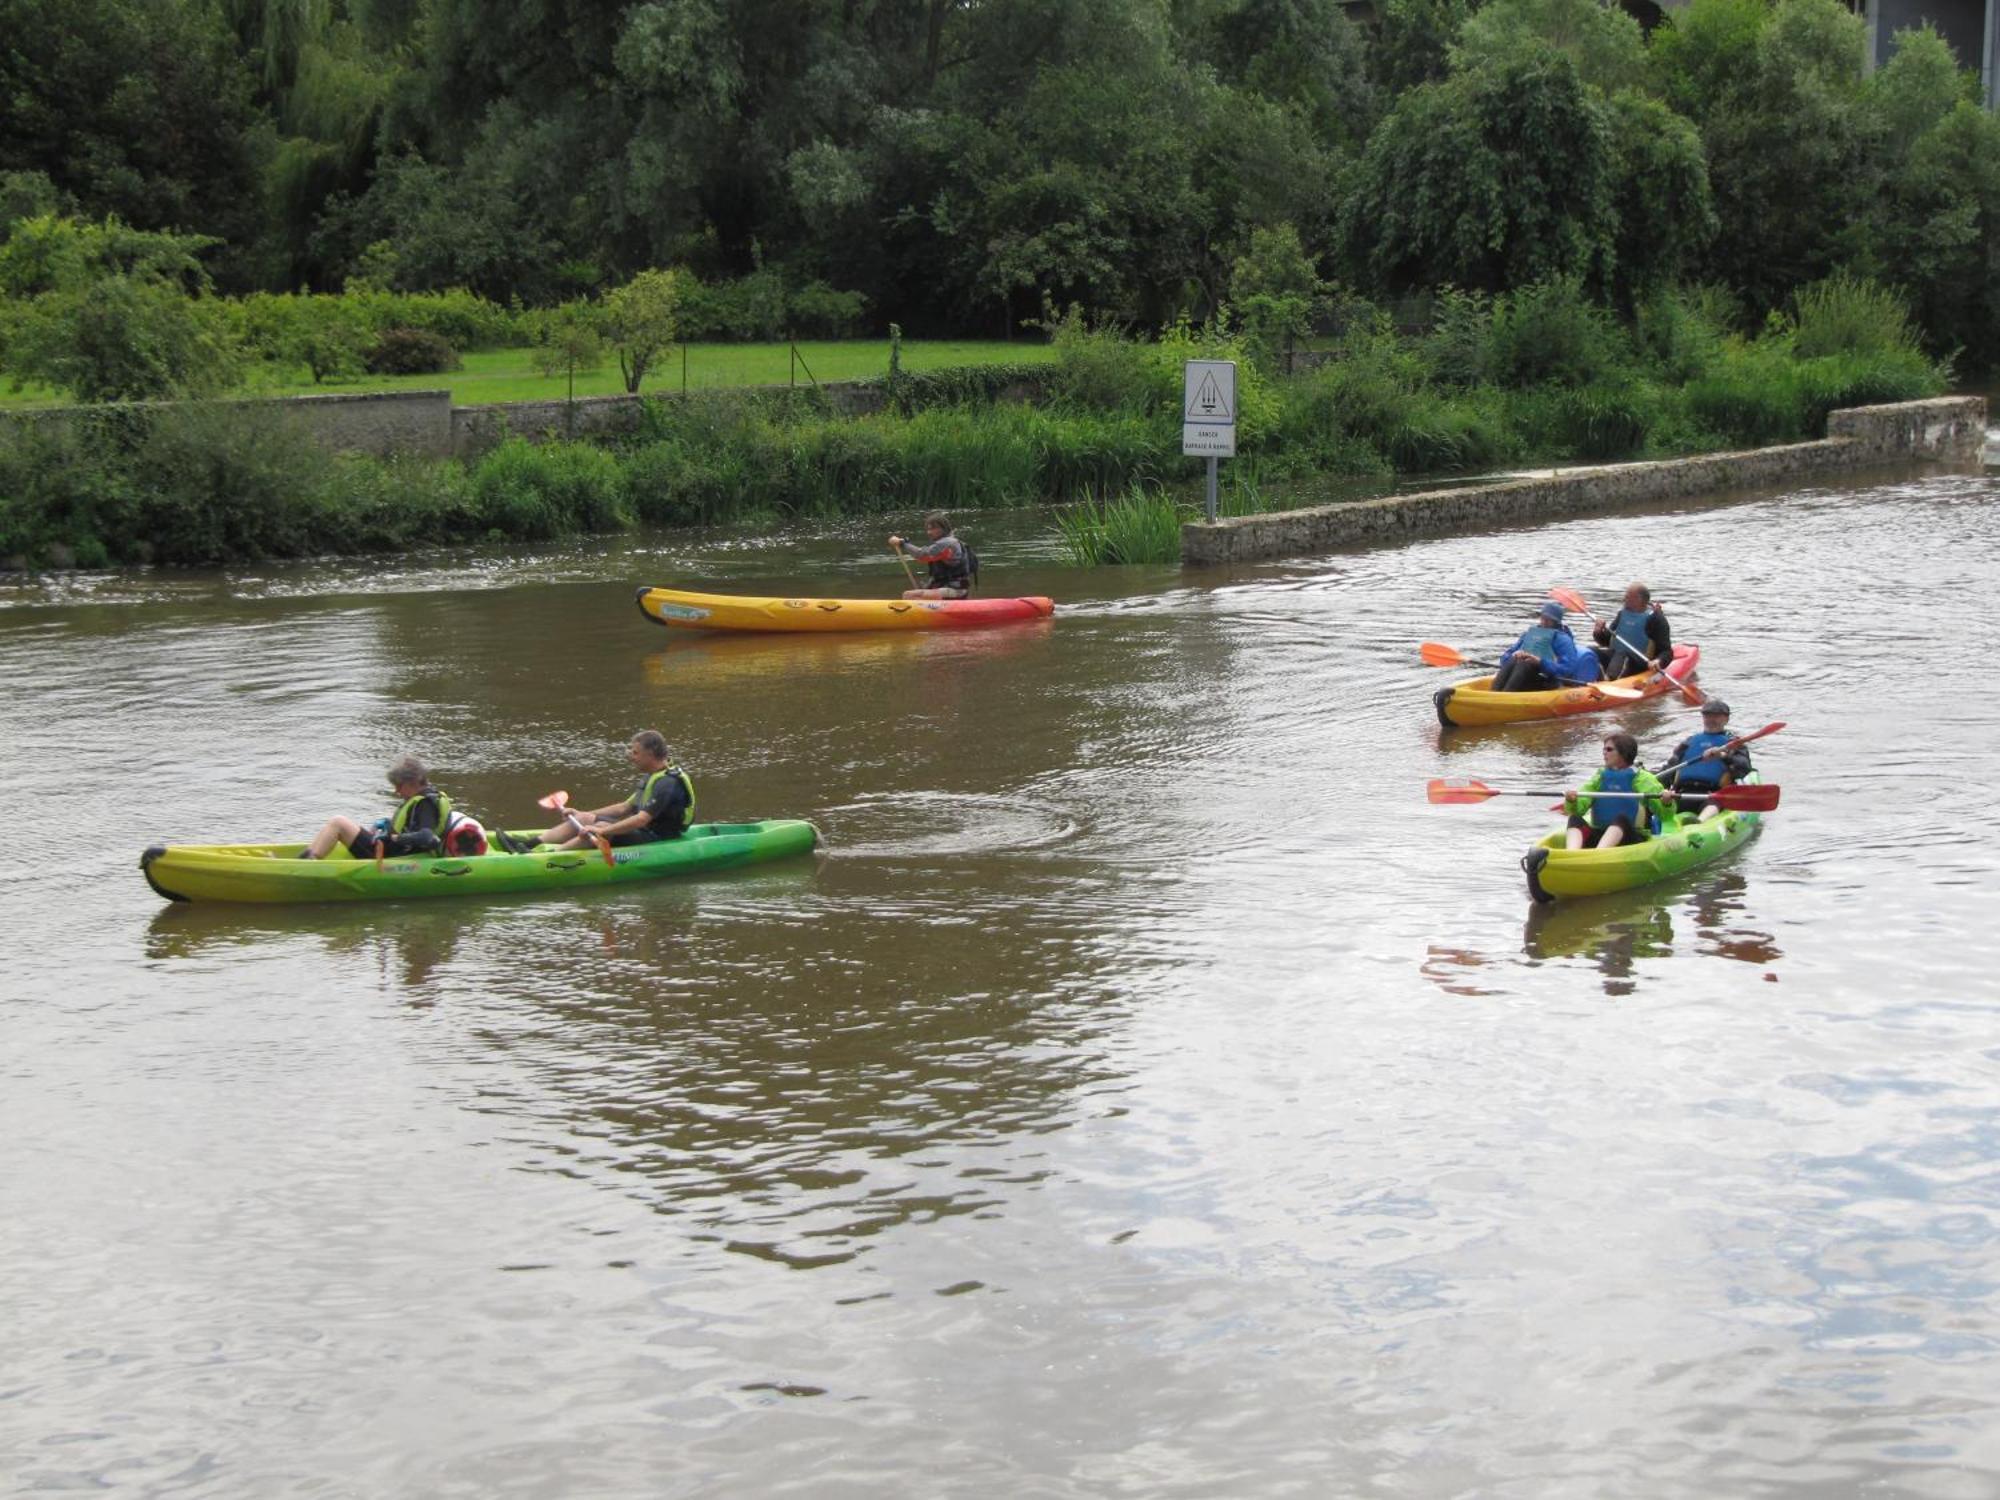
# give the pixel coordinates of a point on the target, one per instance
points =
(1751, 797)
(1437, 654)
(558, 802)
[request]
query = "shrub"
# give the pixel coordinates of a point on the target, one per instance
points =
(1552, 334)
(411, 351)
(540, 493)
(1851, 315)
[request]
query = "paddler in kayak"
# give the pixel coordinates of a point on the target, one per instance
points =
(1546, 656)
(423, 824)
(660, 807)
(1636, 638)
(1700, 764)
(1600, 822)
(953, 569)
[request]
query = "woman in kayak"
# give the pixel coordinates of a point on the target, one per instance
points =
(1635, 638)
(419, 826)
(1600, 822)
(952, 569)
(1701, 763)
(1546, 656)
(660, 807)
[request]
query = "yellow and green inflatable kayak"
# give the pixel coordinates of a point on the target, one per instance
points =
(688, 611)
(1471, 704)
(275, 873)
(1555, 872)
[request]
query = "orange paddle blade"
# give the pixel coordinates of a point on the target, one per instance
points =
(1570, 599)
(1612, 690)
(1436, 654)
(604, 848)
(1458, 793)
(554, 802)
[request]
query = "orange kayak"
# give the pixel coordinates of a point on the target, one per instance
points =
(746, 612)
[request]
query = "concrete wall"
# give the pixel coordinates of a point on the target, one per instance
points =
(1952, 429)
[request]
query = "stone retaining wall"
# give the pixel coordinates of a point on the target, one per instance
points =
(1952, 429)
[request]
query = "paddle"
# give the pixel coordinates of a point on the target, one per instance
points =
(559, 802)
(906, 565)
(1437, 654)
(1753, 797)
(1571, 599)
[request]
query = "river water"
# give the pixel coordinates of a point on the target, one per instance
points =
(1144, 1093)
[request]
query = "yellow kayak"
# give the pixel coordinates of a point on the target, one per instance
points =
(1466, 705)
(746, 612)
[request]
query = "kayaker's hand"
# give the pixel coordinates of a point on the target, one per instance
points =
(1714, 752)
(895, 544)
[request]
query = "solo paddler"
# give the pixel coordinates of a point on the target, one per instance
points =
(953, 569)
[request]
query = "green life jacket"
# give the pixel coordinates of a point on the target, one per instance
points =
(645, 794)
(431, 794)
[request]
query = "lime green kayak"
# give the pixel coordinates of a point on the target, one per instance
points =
(1555, 872)
(274, 872)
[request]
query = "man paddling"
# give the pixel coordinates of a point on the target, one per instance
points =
(1597, 821)
(1635, 638)
(952, 568)
(1705, 762)
(1546, 656)
(660, 807)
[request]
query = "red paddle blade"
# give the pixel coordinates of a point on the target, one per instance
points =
(1570, 599)
(1457, 793)
(1436, 654)
(554, 802)
(1773, 728)
(1751, 798)
(1690, 692)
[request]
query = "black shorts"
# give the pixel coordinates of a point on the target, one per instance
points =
(1694, 801)
(632, 837)
(362, 845)
(1592, 833)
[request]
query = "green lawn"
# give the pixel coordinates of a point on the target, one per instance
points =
(509, 375)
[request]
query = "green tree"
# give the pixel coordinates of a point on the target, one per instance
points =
(569, 342)
(121, 338)
(1275, 290)
(640, 320)
(1604, 43)
(1492, 178)
(139, 109)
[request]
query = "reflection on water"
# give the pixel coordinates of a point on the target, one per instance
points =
(1146, 1091)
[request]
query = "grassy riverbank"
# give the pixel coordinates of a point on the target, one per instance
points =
(496, 375)
(1540, 376)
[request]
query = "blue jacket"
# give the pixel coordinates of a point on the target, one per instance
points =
(1561, 656)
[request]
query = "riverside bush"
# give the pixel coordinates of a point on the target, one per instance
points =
(410, 351)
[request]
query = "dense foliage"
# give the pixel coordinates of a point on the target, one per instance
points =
(817, 167)
(1535, 374)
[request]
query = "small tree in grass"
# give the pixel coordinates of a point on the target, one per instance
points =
(568, 343)
(642, 319)
(1275, 290)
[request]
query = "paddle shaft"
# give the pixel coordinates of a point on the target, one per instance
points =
(906, 565)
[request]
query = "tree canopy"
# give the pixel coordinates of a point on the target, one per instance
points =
(961, 164)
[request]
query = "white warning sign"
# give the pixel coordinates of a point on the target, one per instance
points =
(1208, 408)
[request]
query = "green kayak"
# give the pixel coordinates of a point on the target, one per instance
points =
(1555, 872)
(274, 872)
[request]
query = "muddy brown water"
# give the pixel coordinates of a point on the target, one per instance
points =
(1144, 1093)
